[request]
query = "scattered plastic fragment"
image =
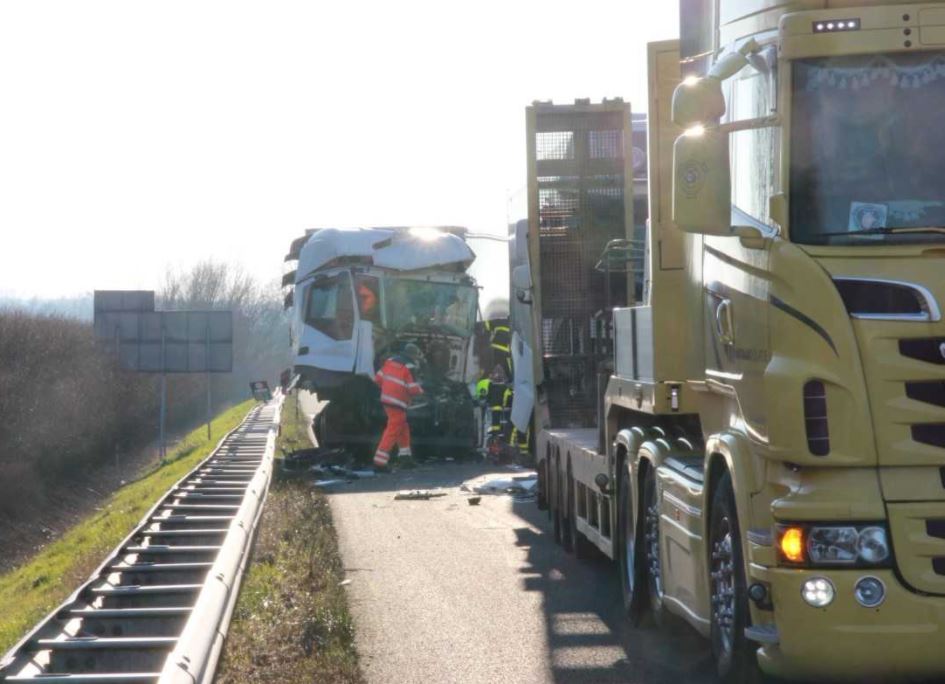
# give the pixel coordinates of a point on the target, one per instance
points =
(344, 583)
(523, 486)
(328, 483)
(418, 494)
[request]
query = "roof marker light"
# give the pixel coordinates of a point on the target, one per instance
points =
(838, 25)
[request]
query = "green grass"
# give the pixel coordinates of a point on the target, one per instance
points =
(30, 591)
(291, 622)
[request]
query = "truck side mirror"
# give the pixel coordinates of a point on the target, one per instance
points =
(697, 100)
(522, 283)
(702, 182)
(521, 278)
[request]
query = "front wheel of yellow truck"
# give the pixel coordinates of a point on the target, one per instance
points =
(653, 569)
(734, 654)
(631, 566)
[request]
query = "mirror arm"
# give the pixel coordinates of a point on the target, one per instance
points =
(754, 237)
(733, 62)
(749, 124)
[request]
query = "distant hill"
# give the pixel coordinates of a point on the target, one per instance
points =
(78, 307)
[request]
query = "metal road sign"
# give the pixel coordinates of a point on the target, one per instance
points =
(169, 341)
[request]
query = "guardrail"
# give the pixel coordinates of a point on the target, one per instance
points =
(157, 610)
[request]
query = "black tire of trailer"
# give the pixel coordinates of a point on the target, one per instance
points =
(556, 516)
(630, 560)
(541, 498)
(567, 540)
(581, 545)
(652, 563)
(735, 662)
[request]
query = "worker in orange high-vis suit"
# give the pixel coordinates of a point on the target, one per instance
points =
(398, 388)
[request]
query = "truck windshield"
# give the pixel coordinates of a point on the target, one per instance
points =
(867, 161)
(440, 307)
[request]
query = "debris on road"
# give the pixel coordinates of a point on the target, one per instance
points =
(324, 484)
(302, 462)
(474, 500)
(418, 495)
(518, 486)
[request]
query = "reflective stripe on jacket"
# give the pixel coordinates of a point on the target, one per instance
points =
(397, 383)
(482, 388)
(500, 337)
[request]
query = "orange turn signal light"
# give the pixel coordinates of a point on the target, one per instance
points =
(792, 544)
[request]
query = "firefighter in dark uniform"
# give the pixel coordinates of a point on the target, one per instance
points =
(495, 400)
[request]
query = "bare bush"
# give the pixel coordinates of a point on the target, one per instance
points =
(64, 405)
(260, 330)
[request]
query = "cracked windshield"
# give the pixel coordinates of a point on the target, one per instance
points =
(439, 307)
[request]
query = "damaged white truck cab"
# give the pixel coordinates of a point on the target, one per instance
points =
(360, 295)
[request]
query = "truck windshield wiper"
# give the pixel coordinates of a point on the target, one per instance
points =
(887, 231)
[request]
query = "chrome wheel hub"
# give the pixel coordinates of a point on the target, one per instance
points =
(723, 586)
(652, 545)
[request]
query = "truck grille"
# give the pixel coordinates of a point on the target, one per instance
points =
(906, 384)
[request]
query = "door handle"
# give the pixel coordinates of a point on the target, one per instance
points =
(723, 322)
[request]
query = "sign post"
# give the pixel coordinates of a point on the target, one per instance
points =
(163, 393)
(209, 399)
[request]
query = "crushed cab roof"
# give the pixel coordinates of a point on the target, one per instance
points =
(397, 248)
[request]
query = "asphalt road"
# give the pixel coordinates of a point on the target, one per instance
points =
(442, 591)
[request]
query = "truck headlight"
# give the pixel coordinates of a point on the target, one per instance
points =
(856, 545)
(872, 545)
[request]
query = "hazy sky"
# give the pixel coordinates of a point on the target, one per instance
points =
(134, 136)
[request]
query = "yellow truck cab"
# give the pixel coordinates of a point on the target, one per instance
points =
(769, 459)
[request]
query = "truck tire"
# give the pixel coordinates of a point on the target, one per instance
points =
(541, 498)
(564, 504)
(583, 549)
(651, 547)
(555, 492)
(734, 655)
(629, 558)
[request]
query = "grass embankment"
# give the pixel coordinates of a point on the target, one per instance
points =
(30, 591)
(291, 622)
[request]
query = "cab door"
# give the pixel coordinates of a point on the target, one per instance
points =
(330, 324)
(737, 274)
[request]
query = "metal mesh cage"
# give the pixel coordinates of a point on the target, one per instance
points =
(554, 145)
(605, 144)
(580, 176)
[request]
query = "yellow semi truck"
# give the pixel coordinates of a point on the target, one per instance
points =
(768, 460)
